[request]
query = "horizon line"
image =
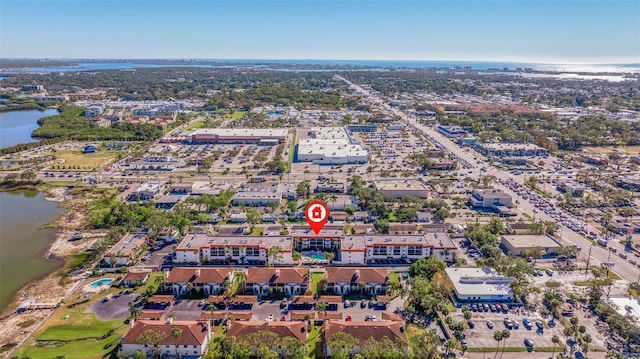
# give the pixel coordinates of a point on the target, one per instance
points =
(540, 62)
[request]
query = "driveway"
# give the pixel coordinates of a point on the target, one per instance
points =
(114, 308)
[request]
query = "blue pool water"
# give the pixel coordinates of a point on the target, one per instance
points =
(106, 281)
(319, 256)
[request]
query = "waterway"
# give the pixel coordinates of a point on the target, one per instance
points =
(16, 126)
(23, 241)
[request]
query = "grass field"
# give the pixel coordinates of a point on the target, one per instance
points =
(75, 334)
(315, 279)
(197, 124)
(81, 161)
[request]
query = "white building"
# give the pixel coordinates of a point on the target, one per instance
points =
(93, 110)
(146, 192)
(331, 145)
(480, 284)
(192, 342)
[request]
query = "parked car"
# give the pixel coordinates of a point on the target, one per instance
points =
(489, 324)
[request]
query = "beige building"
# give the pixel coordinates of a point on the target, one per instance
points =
(516, 244)
(400, 187)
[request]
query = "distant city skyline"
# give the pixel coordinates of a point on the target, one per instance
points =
(536, 31)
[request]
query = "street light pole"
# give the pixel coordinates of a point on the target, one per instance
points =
(586, 270)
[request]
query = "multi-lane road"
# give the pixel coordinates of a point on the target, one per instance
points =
(598, 255)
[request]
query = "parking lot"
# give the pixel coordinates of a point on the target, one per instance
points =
(486, 323)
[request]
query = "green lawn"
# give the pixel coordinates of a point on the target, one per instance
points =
(316, 277)
(256, 231)
(75, 334)
(314, 342)
(81, 349)
(197, 124)
(394, 277)
(94, 329)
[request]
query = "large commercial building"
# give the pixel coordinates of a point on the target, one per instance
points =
(400, 187)
(480, 285)
(489, 198)
(331, 145)
(511, 149)
(516, 244)
(262, 136)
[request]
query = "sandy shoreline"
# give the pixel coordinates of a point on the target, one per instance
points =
(51, 288)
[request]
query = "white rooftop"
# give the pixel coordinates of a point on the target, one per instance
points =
(479, 282)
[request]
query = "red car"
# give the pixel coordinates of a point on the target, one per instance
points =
(349, 318)
(284, 318)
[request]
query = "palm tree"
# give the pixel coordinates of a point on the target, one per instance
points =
(497, 335)
(135, 311)
(175, 334)
(586, 339)
(321, 308)
(555, 340)
(505, 334)
(449, 345)
(274, 253)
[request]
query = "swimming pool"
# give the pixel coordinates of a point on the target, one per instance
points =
(104, 281)
(318, 256)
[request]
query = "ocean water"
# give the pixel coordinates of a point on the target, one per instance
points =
(94, 65)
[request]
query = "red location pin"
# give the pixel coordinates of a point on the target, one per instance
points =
(317, 214)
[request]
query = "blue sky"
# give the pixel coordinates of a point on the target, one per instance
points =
(571, 31)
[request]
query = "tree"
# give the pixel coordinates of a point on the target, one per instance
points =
(427, 267)
(556, 341)
(341, 344)
(274, 253)
(152, 337)
(304, 189)
(235, 348)
(134, 311)
(505, 335)
(176, 333)
(296, 256)
(497, 336)
(382, 226)
(253, 217)
(424, 344)
(321, 308)
(264, 342)
(292, 348)
(449, 345)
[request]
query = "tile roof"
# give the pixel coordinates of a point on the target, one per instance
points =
(198, 275)
(193, 333)
(136, 276)
(329, 299)
(161, 299)
(365, 330)
(355, 275)
(282, 329)
(277, 275)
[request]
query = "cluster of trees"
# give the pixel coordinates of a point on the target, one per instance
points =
(14, 103)
(430, 286)
(341, 345)
(18, 179)
(547, 130)
(263, 345)
(70, 124)
(278, 163)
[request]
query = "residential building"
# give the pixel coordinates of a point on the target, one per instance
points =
(93, 111)
(480, 284)
(204, 280)
(516, 244)
(28, 88)
(132, 279)
(203, 248)
(344, 280)
(363, 331)
(243, 329)
(288, 281)
(192, 341)
(125, 250)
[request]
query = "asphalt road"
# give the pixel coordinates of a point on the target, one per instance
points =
(598, 254)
